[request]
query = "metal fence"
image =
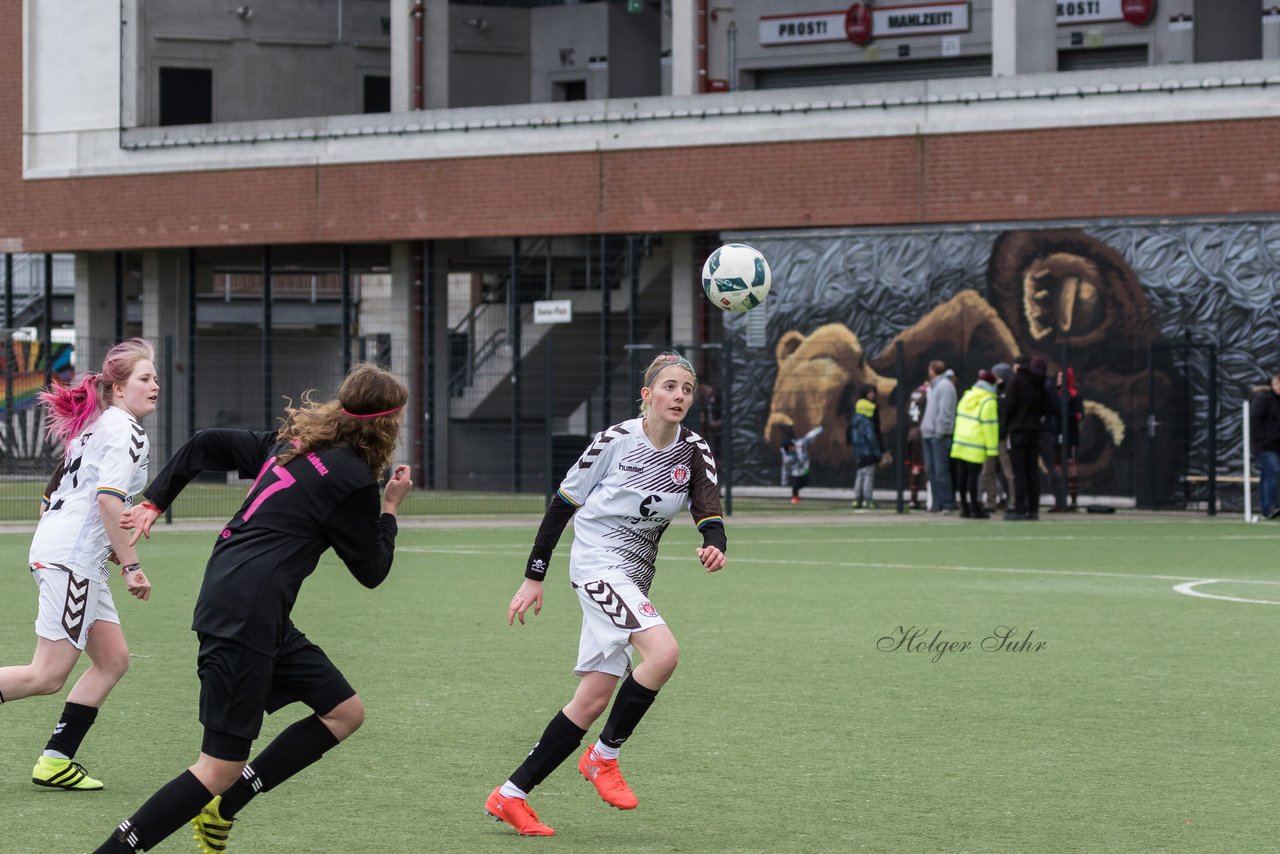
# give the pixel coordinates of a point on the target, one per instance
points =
(509, 404)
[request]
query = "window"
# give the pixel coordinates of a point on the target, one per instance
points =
(570, 90)
(377, 94)
(186, 96)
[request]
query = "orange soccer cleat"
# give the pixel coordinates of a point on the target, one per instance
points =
(605, 776)
(517, 813)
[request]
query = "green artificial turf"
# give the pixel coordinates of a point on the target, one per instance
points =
(796, 722)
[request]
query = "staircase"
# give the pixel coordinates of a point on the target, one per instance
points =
(481, 344)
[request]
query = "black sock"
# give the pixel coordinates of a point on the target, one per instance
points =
(1, 696)
(559, 740)
(71, 729)
(172, 806)
(297, 746)
(629, 706)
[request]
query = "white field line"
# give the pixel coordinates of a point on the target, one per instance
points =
(1189, 589)
(1187, 584)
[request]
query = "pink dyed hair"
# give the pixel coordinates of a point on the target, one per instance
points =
(71, 409)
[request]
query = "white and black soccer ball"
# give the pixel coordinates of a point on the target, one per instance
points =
(736, 277)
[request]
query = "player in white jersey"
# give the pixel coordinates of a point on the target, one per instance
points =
(104, 462)
(622, 493)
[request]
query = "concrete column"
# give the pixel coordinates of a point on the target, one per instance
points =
(684, 296)
(401, 56)
(1271, 33)
(684, 47)
(399, 322)
(95, 308)
(1024, 38)
(435, 60)
(438, 361)
(437, 55)
(164, 315)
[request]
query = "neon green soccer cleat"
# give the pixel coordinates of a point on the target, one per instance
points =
(63, 774)
(211, 828)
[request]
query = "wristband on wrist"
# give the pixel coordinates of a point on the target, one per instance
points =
(130, 567)
(150, 505)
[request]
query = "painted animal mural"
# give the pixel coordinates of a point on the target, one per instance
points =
(976, 299)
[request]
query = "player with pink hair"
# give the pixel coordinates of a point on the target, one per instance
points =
(104, 462)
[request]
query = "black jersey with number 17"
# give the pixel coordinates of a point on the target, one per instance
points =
(292, 514)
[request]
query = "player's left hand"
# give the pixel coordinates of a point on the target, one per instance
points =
(137, 584)
(529, 594)
(712, 558)
(139, 518)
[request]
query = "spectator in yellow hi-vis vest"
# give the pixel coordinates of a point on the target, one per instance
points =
(977, 437)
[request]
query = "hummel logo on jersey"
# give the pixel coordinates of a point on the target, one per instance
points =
(72, 470)
(73, 608)
(602, 593)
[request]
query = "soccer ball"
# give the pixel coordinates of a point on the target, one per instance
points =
(736, 277)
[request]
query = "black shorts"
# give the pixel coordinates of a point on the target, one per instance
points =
(238, 685)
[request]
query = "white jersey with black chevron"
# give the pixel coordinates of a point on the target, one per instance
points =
(109, 457)
(627, 492)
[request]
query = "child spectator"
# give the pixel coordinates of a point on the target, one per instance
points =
(795, 462)
(865, 441)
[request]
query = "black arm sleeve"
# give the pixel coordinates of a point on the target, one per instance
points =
(713, 535)
(362, 537)
(215, 449)
(558, 514)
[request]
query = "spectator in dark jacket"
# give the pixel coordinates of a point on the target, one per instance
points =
(1264, 433)
(1062, 393)
(1022, 416)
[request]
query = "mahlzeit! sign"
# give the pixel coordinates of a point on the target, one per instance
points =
(919, 20)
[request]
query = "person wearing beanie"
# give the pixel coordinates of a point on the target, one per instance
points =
(997, 474)
(1020, 423)
(977, 439)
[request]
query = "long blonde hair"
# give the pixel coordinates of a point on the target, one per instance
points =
(365, 415)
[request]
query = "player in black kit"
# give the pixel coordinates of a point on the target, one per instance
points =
(316, 488)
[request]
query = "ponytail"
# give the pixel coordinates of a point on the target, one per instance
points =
(70, 409)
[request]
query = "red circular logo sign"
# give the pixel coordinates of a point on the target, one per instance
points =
(1138, 12)
(857, 23)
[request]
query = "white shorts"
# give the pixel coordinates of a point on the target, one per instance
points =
(612, 610)
(69, 605)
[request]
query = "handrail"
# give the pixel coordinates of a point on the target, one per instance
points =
(477, 356)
